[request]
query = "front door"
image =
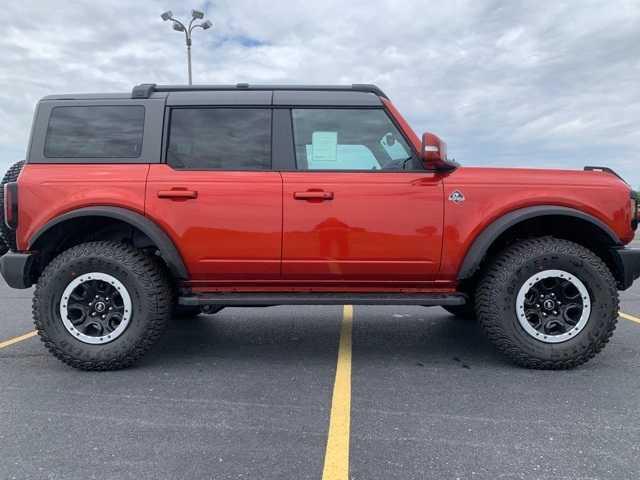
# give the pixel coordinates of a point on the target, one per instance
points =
(359, 208)
(217, 197)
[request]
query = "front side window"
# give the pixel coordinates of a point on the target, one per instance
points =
(220, 139)
(349, 139)
(95, 132)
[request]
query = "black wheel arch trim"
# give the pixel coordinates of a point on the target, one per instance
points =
(165, 245)
(627, 261)
(485, 239)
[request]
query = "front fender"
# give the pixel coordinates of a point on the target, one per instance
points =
(483, 241)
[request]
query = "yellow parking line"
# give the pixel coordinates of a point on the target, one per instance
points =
(13, 340)
(631, 318)
(336, 457)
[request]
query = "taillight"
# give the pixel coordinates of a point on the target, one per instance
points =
(11, 205)
(635, 209)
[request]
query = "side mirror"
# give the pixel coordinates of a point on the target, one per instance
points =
(434, 153)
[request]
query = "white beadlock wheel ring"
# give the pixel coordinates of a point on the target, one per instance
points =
(114, 285)
(530, 284)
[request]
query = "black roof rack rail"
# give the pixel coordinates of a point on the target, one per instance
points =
(144, 90)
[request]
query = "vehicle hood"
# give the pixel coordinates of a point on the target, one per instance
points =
(536, 177)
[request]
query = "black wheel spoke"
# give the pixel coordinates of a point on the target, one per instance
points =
(555, 326)
(531, 298)
(91, 291)
(544, 326)
(78, 313)
(534, 318)
(80, 296)
(549, 285)
(112, 321)
(92, 328)
(570, 313)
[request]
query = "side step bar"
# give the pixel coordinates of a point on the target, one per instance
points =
(261, 299)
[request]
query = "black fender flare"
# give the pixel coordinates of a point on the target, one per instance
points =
(168, 250)
(483, 241)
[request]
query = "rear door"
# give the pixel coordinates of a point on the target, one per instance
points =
(216, 195)
(360, 206)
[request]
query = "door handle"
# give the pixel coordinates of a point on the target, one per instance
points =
(313, 195)
(178, 194)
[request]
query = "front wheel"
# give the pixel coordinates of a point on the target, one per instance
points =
(101, 305)
(548, 303)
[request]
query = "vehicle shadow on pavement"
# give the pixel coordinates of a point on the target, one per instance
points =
(418, 335)
(266, 335)
(422, 337)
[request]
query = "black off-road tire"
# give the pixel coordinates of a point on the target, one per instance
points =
(148, 287)
(7, 236)
(496, 302)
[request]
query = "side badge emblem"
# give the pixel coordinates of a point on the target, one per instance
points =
(456, 197)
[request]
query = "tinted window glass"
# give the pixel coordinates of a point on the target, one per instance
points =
(220, 139)
(349, 139)
(95, 132)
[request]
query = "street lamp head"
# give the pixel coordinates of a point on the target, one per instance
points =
(187, 28)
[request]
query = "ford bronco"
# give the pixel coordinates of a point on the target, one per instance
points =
(169, 200)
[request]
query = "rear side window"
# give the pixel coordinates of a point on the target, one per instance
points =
(95, 132)
(220, 139)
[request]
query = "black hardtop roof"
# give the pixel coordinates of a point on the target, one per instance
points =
(145, 90)
(358, 95)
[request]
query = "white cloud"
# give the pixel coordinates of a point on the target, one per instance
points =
(522, 83)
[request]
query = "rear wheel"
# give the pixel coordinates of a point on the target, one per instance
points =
(101, 305)
(548, 303)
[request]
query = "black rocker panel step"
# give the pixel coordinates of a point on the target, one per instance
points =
(256, 299)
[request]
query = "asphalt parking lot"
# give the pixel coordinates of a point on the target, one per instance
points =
(247, 394)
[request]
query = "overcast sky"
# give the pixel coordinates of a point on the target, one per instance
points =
(521, 83)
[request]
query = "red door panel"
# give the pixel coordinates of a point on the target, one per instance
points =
(362, 226)
(227, 225)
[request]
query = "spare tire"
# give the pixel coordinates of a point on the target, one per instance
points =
(7, 236)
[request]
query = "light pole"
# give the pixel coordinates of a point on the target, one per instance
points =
(180, 27)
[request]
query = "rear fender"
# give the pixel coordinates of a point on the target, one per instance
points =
(161, 240)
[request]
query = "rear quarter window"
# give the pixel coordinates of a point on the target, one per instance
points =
(95, 132)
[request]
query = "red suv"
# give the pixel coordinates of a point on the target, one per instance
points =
(174, 199)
